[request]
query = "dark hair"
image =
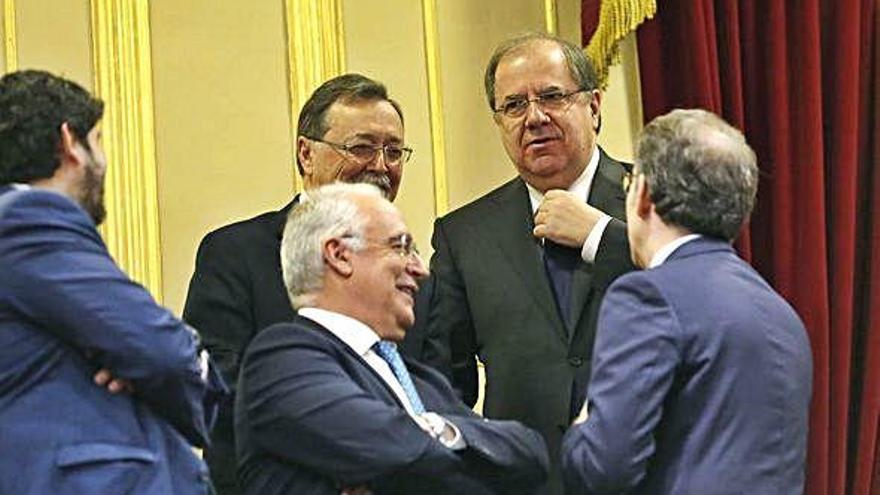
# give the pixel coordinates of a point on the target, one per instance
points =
(346, 88)
(33, 106)
(701, 173)
(580, 67)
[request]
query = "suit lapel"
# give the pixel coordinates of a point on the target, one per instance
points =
(606, 194)
(513, 236)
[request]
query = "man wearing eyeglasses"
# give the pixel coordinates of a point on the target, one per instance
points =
(327, 405)
(519, 273)
(349, 130)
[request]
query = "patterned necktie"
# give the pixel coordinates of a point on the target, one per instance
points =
(561, 262)
(388, 351)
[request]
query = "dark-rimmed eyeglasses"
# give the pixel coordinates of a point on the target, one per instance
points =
(363, 153)
(514, 107)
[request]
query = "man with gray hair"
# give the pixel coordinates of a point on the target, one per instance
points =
(349, 130)
(701, 375)
(327, 405)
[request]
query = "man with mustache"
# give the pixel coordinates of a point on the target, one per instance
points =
(349, 130)
(519, 273)
(70, 319)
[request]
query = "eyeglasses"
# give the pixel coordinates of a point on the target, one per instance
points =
(515, 107)
(404, 245)
(363, 153)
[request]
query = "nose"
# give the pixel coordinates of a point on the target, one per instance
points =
(535, 116)
(379, 162)
(416, 267)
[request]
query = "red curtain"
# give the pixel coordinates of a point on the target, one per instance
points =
(800, 78)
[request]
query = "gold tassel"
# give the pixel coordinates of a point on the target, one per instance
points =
(617, 18)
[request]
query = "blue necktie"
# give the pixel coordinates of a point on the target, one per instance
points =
(388, 351)
(561, 262)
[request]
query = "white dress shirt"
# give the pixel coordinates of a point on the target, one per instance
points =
(581, 189)
(660, 256)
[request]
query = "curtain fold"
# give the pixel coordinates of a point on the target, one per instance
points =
(801, 80)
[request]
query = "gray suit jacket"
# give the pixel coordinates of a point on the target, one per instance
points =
(493, 299)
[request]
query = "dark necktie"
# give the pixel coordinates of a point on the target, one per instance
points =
(561, 262)
(388, 351)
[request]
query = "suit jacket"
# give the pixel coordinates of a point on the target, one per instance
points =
(312, 416)
(701, 384)
(493, 298)
(237, 289)
(66, 310)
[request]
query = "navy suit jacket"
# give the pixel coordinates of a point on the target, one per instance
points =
(66, 310)
(312, 416)
(700, 385)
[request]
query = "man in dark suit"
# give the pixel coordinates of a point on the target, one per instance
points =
(326, 405)
(701, 371)
(519, 273)
(349, 130)
(70, 318)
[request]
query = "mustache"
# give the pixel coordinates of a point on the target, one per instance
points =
(378, 179)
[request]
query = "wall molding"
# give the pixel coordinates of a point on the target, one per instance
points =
(315, 53)
(435, 106)
(121, 56)
(10, 40)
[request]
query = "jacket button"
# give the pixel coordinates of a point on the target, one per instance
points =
(575, 361)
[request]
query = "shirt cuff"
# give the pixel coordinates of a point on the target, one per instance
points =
(591, 245)
(438, 424)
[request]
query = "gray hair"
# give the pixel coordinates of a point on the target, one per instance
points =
(701, 173)
(579, 66)
(328, 212)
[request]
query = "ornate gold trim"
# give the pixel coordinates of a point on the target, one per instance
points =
(121, 55)
(550, 19)
(315, 53)
(435, 106)
(10, 43)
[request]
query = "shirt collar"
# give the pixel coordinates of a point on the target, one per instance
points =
(20, 187)
(664, 252)
(580, 187)
(353, 332)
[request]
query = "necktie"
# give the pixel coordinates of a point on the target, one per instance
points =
(388, 351)
(561, 262)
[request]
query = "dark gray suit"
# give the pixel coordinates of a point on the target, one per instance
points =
(493, 299)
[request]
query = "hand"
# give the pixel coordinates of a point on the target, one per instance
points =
(565, 219)
(103, 378)
(583, 415)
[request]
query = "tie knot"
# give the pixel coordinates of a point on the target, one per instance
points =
(387, 350)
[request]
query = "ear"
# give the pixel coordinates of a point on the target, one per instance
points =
(337, 257)
(644, 206)
(305, 152)
(596, 108)
(70, 150)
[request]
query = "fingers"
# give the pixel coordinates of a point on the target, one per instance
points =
(103, 378)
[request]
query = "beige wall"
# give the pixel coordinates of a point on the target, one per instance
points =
(223, 135)
(54, 35)
(223, 138)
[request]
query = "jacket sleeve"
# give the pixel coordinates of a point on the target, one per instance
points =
(450, 344)
(219, 304)
(68, 284)
(299, 404)
(634, 361)
(613, 256)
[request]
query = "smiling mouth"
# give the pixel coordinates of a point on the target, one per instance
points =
(410, 290)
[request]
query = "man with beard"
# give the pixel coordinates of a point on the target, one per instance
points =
(349, 130)
(70, 319)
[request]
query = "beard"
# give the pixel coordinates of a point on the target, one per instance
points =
(378, 179)
(91, 193)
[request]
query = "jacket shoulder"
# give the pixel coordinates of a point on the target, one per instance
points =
(489, 202)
